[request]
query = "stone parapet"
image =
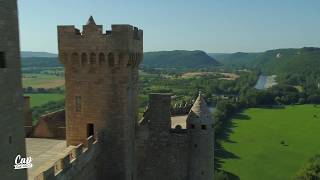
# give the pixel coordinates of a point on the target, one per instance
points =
(78, 163)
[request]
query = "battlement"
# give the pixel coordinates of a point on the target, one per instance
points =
(91, 49)
(181, 109)
(72, 163)
(117, 30)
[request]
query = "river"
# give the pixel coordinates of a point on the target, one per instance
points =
(265, 82)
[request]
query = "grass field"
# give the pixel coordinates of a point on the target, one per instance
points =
(40, 99)
(252, 148)
(42, 81)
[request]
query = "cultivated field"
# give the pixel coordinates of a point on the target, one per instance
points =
(270, 143)
(40, 99)
(42, 81)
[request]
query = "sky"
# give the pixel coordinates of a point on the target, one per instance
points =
(215, 26)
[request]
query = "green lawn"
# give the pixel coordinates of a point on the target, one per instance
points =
(252, 149)
(40, 99)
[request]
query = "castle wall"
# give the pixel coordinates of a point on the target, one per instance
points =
(78, 165)
(11, 100)
(27, 116)
(26, 111)
(161, 152)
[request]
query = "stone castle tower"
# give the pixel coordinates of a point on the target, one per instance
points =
(200, 124)
(175, 152)
(101, 73)
(11, 100)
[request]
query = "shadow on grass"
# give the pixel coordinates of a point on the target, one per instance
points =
(271, 107)
(220, 152)
(241, 117)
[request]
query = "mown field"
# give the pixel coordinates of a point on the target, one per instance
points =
(43, 98)
(42, 81)
(270, 144)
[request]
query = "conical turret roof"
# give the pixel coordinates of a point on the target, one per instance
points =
(91, 21)
(200, 111)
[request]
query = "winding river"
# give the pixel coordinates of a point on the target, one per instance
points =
(265, 82)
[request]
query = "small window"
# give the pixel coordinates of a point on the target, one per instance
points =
(90, 130)
(10, 139)
(84, 59)
(78, 103)
(195, 145)
(192, 126)
(102, 60)
(111, 59)
(3, 60)
(204, 127)
(93, 58)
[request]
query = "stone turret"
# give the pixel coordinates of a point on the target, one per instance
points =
(200, 126)
(101, 73)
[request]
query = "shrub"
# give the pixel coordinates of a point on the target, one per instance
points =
(311, 171)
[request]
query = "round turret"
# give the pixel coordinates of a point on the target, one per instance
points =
(200, 126)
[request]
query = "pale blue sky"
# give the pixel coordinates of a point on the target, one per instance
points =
(209, 25)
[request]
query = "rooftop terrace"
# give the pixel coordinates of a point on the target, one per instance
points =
(44, 153)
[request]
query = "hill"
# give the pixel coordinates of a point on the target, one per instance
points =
(25, 54)
(40, 62)
(161, 59)
(237, 59)
(278, 61)
(178, 59)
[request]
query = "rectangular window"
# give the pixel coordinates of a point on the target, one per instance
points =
(203, 127)
(2, 60)
(78, 103)
(90, 130)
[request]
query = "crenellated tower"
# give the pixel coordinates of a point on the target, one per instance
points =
(201, 147)
(101, 73)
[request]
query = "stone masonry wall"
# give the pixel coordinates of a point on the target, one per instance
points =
(78, 165)
(161, 152)
(11, 100)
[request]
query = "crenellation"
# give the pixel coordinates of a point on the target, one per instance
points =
(117, 30)
(78, 158)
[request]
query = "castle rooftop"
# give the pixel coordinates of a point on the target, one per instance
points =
(200, 112)
(44, 153)
(91, 21)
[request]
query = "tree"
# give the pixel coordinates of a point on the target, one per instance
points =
(277, 100)
(301, 101)
(311, 171)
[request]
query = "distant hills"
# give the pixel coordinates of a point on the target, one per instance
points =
(40, 62)
(178, 59)
(26, 54)
(278, 61)
(302, 60)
